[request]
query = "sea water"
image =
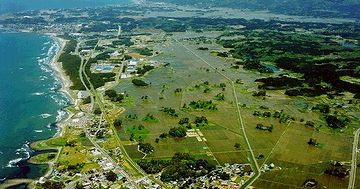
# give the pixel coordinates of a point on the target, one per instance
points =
(30, 101)
(8, 6)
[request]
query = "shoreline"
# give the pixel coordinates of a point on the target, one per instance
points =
(65, 89)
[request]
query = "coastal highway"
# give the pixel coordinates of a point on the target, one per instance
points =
(253, 161)
(353, 161)
(95, 98)
(82, 73)
(126, 156)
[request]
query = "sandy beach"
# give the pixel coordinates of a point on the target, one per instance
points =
(56, 66)
(65, 88)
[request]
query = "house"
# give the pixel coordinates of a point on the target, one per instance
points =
(114, 54)
(83, 94)
(133, 62)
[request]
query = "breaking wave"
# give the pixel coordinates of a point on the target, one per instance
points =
(24, 153)
(45, 115)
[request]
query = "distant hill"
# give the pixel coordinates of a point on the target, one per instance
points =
(318, 8)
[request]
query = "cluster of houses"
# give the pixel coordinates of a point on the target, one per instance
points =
(237, 175)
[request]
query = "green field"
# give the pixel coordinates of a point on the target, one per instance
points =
(286, 146)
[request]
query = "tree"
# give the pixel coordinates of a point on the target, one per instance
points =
(118, 122)
(201, 121)
(224, 176)
(237, 145)
(220, 97)
(261, 156)
(183, 121)
(222, 85)
(163, 135)
(334, 122)
(111, 93)
(79, 186)
(178, 90)
(260, 93)
(132, 137)
(111, 176)
(312, 142)
(146, 148)
(97, 111)
(86, 100)
(309, 124)
(141, 127)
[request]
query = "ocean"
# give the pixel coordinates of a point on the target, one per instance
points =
(30, 103)
(9, 6)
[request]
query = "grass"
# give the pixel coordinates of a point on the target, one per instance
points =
(286, 146)
(150, 118)
(56, 142)
(138, 132)
(42, 158)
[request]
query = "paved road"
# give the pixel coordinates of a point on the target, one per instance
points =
(353, 161)
(253, 159)
(82, 73)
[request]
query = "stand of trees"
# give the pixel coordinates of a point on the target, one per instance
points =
(114, 96)
(201, 121)
(144, 69)
(180, 167)
(123, 41)
(169, 111)
(71, 65)
(178, 132)
(144, 51)
(264, 128)
(139, 82)
(337, 169)
(335, 122)
(202, 104)
(147, 148)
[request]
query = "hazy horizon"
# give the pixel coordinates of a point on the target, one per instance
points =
(10, 6)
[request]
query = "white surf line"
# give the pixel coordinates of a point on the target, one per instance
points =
(257, 175)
